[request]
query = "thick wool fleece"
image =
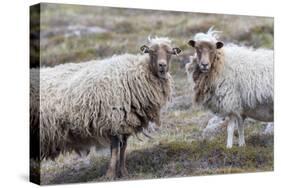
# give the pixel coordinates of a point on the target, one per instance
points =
(81, 105)
(243, 80)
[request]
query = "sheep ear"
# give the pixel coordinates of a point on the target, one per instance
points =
(219, 45)
(144, 49)
(176, 51)
(191, 43)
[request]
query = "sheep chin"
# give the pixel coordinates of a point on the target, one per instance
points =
(162, 75)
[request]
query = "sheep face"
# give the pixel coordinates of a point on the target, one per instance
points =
(160, 55)
(205, 53)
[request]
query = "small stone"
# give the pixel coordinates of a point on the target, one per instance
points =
(269, 130)
(215, 126)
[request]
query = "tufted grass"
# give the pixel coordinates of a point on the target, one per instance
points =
(176, 150)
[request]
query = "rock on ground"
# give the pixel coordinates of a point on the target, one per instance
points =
(215, 126)
(269, 130)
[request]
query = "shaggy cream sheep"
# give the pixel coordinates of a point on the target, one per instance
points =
(102, 103)
(232, 81)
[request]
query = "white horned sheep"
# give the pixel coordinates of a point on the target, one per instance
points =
(232, 81)
(102, 103)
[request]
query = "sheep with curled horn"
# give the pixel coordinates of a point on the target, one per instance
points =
(102, 103)
(232, 81)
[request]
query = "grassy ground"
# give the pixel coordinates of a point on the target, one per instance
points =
(177, 149)
(80, 33)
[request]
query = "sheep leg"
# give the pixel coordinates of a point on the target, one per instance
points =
(123, 169)
(241, 131)
(230, 132)
(114, 150)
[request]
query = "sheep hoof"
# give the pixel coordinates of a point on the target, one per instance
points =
(110, 175)
(124, 172)
(242, 144)
(228, 146)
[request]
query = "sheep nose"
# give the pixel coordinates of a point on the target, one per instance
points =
(204, 64)
(162, 65)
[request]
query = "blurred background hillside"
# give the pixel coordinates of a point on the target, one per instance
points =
(79, 33)
(71, 33)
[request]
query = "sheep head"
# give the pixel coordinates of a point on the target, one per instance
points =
(160, 52)
(205, 52)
